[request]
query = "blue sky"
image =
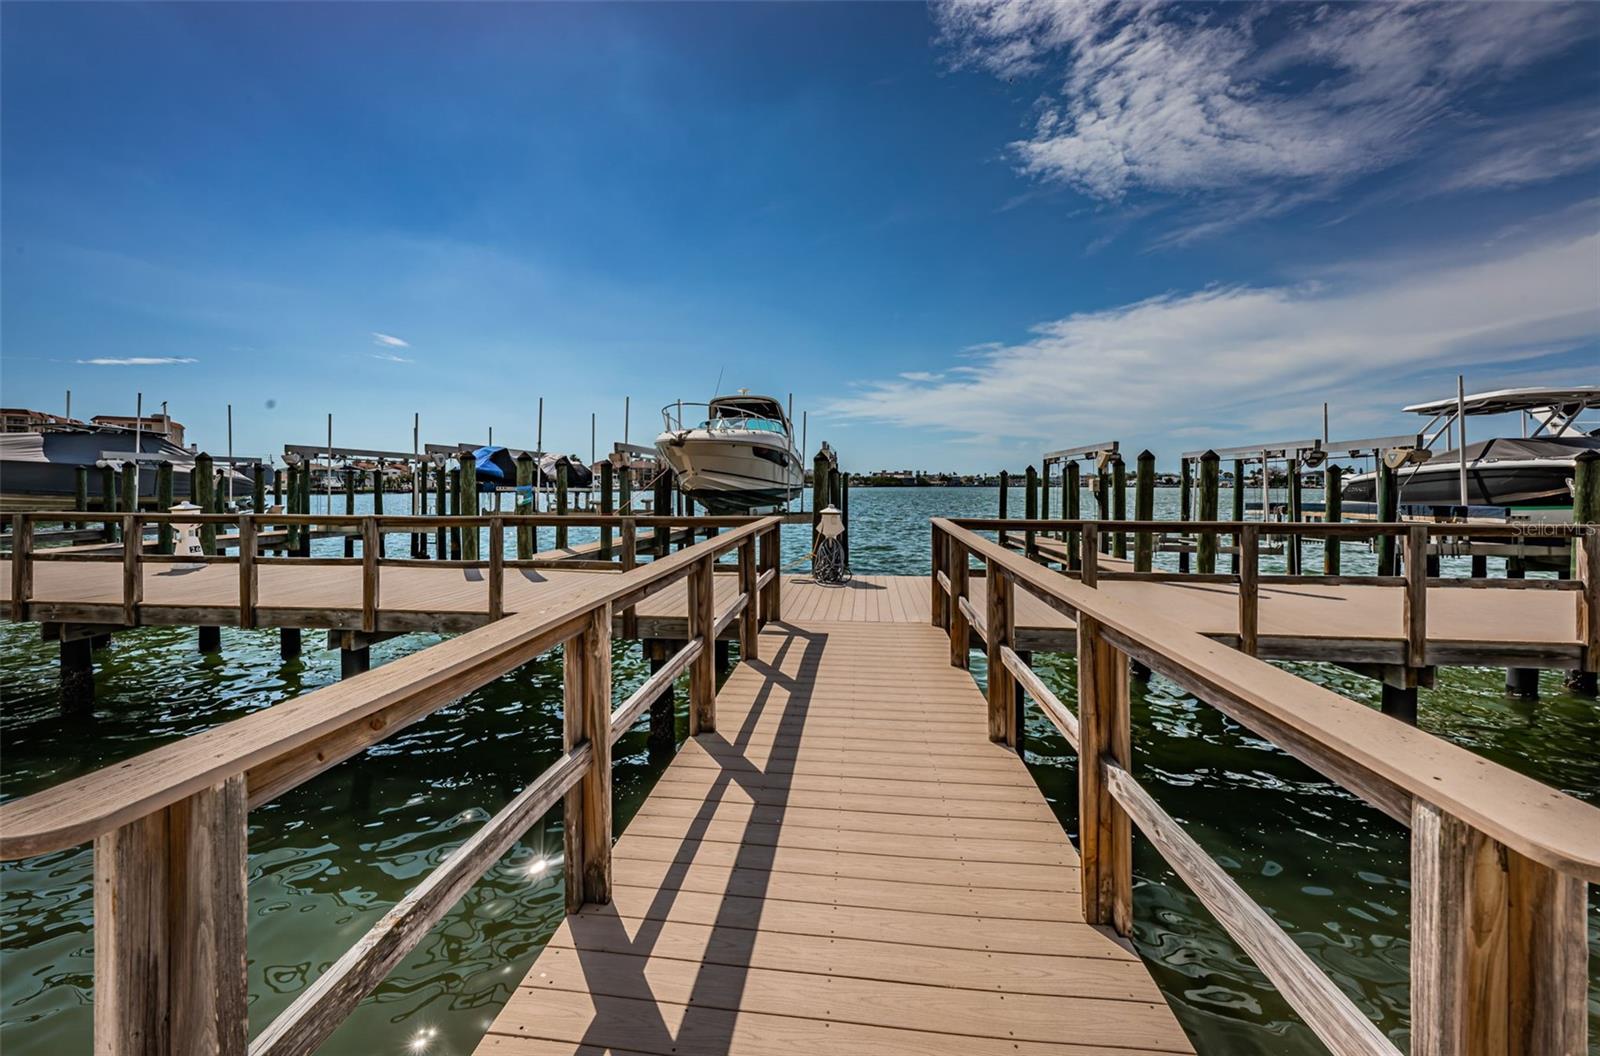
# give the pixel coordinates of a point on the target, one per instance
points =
(959, 235)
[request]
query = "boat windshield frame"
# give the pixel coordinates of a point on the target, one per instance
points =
(720, 416)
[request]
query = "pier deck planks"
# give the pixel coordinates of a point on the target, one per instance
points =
(786, 887)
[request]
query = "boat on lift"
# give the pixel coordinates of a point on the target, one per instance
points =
(740, 457)
(1528, 477)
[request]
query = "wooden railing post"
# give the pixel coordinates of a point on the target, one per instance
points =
(1499, 946)
(369, 574)
(249, 575)
(1416, 596)
(1249, 541)
(998, 614)
(939, 601)
(1089, 554)
(169, 935)
(586, 719)
(702, 626)
(771, 597)
(1105, 834)
(749, 619)
(21, 565)
(132, 568)
(957, 564)
(497, 567)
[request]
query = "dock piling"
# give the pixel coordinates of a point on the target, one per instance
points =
(1144, 509)
(164, 501)
(561, 502)
(108, 502)
(607, 506)
(1119, 506)
(1238, 507)
(1210, 481)
(1030, 507)
(1333, 513)
(1183, 510)
(1072, 507)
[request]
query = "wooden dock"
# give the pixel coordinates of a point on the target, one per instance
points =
(788, 886)
(848, 855)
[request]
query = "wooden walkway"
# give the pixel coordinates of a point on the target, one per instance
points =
(847, 865)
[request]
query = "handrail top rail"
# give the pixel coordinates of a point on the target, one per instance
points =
(93, 804)
(547, 520)
(1372, 529)
(1537, 821)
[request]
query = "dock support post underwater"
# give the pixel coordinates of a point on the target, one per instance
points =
(77, 675)
(289, 643)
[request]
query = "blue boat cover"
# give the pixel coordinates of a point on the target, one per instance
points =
(496, 469)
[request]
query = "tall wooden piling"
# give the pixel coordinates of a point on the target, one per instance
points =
(441, 505)
(1044, 491)
(258, 488)
(1030, 505)
(108, 502)
(1183, 512)
(377, 504)
(1388, 513)
(1210, 482)
(1332, 513)
(1072, 507)
(607, 506)
(305, 507)
(525, 471)
(1004, 512)
(164, 502)
(80, 488)
(661, 506)
(292, 505)
(821, 488)
(561, 502)
(1296, 513)
(204, 483)
(469, 505)
(844, 516)
(1238, 507)
(1144, 509)
(1119, 505)
(277, 487)
(349, 509)
(455, 511)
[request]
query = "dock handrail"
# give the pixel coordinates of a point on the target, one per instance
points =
(1500, 862)
(1084, 553)
(132, 553)
(169, 826)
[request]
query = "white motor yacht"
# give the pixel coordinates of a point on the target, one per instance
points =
(740, 457)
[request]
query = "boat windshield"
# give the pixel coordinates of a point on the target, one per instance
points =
(756, 425)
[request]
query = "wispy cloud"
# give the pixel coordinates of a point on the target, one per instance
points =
(921, 375)
(136, 361)
(390, 357)
(1183, 99)
(1227, 361)
(389, 340)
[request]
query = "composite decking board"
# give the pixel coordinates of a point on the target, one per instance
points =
(778, 891)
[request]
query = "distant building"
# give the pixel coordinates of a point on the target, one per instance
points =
(22, 420)
(160, 425)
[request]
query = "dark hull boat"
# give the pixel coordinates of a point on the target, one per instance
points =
(42, 468)
(1503, 472)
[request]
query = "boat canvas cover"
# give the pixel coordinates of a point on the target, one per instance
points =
(496, 468)
(1512, 449)
(578, 474)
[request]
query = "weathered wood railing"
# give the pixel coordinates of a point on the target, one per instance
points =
(169, 826)
(1499, 862)
(1414, 539)
(370, 529)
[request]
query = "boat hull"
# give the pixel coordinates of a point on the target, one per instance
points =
(733, 472)
(1500, 484)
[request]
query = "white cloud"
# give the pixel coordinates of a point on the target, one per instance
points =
(921, 375)
(136, 361)
(1179, 98)
(390, 357)
(1225, 361)
(389, 340)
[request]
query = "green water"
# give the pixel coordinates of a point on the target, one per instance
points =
(328, 858)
